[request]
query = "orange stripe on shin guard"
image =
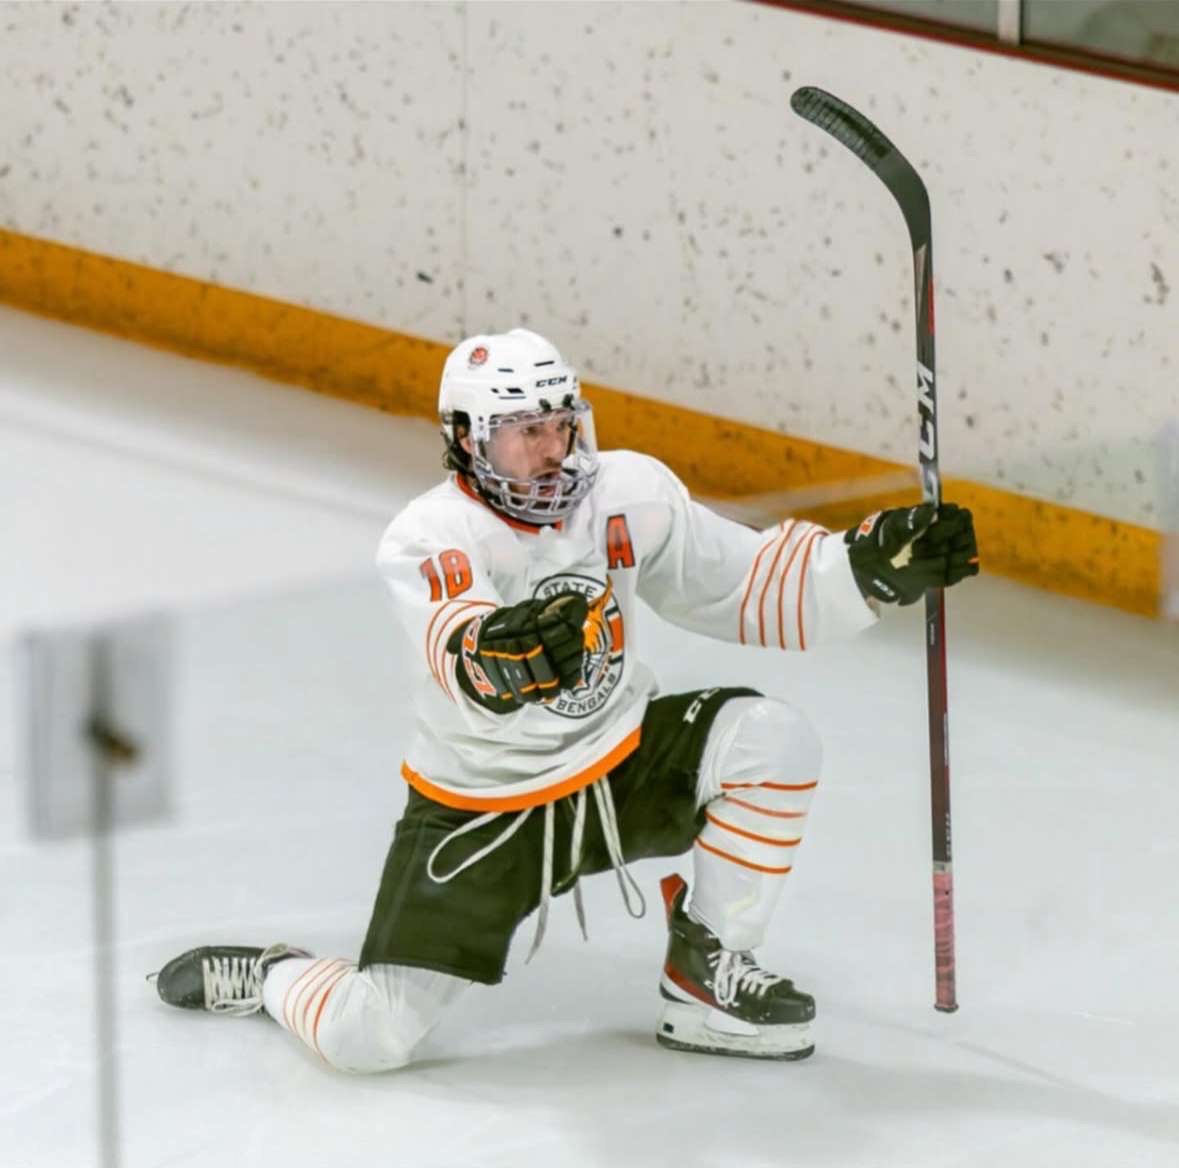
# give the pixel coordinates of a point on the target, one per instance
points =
(753, 834)
(765, 810)
(305, 983)
(313, 994)
(327, 991)
(772, 841)
(742, 863)
(285, 1020)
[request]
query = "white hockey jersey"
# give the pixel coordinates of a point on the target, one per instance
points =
(449, 556)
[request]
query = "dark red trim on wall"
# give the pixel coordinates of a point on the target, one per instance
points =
(1078, 60)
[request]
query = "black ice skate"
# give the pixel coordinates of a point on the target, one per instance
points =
(224, 979)
(720, 1001)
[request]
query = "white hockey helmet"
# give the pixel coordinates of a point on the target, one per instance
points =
(514, 385)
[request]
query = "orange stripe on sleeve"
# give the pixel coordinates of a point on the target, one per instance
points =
(459, 615)
(783, 540)
(457, 618)
(430, 629)
(438, 650)
(765, 547)
(743, 863)
(806, 560)
(782, 584)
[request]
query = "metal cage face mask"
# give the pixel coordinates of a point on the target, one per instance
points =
(537, 465)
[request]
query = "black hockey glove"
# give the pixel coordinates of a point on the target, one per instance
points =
(896, 555)
(527, 652)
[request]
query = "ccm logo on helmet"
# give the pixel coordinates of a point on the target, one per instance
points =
(552, 381)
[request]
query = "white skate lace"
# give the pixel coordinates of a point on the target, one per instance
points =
(604, 800)
(233, 985)
(734, 971)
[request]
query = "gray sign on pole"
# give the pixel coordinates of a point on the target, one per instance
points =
(96, 696)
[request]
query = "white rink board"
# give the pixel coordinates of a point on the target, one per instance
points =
(628, 178)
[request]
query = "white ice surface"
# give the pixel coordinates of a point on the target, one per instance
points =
(250, 511)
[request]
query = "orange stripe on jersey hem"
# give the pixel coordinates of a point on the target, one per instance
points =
(761, 839)
(743, 863)
(806, 562)
(557, 790)
(770, 786)
(765, 810)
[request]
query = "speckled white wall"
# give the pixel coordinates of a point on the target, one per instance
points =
(309, 152)
(636, 185)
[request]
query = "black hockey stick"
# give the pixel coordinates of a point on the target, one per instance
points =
(872, 148)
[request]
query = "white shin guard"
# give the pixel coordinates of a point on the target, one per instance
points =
(758, 773)
(358, 1020)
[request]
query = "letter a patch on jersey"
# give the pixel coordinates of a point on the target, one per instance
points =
(620, 552)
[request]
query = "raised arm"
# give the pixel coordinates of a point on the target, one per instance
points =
(791, 587)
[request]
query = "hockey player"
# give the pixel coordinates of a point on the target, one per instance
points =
(543, 753)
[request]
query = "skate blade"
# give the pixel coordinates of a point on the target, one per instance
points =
(685, 1027)
(695, 1027)
(764, 1055)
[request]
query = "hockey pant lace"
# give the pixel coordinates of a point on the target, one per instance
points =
(608, 818)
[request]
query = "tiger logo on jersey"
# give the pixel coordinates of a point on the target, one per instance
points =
(604, 645)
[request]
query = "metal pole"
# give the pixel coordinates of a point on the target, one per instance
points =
(107, 751)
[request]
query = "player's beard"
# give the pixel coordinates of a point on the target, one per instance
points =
(549, 479)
